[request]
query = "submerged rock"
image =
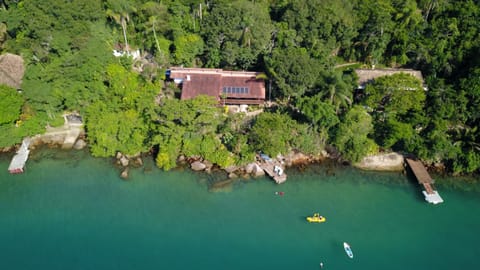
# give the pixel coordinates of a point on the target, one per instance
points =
(137, 161)
(124, 174)
(222, 186)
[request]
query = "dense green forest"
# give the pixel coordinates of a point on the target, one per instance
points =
(300, 44)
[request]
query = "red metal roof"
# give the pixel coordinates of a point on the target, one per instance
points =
(198, 81)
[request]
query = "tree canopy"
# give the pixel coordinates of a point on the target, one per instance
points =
(10, 105)
(307, 48)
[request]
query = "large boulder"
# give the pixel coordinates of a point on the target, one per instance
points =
(383, 162)
(231, 169)
(198, 166)
(12, 69)
(298, 158)
(53, 139)
(258, 171)
(249, 168)
(124, 161)
(136, 161)
(124, 174)
(208, 165)
(79, 144)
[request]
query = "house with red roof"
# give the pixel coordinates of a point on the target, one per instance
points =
(228, 87)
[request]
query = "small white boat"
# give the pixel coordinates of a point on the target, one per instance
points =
(348, 250)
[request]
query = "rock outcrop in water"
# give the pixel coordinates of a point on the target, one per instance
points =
(382, 162)
(127, 161)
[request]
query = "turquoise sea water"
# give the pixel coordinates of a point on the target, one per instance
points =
(71, 211)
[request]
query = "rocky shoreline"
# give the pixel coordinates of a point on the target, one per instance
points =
(56, 138)
(72, 136)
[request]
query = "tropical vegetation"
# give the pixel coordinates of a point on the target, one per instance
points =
(308, 49)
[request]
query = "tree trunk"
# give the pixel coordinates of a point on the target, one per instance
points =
(155, 36)
(124, 28)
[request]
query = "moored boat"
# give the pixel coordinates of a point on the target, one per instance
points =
(348, 250)
(316, 218)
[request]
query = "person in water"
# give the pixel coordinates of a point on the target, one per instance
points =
(321, 265)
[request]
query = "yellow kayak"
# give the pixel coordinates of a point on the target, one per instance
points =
(316, 218)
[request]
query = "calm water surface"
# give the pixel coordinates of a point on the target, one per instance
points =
(71, 211)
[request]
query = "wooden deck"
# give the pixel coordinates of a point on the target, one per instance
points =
(268, 167)
(423, 178)
(420, 172)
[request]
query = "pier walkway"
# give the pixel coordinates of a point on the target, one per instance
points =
(17, 164)
(423, 178)
(273, 168)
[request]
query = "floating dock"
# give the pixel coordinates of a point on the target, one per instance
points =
(17, 165)
(273, 168)
(423, 178)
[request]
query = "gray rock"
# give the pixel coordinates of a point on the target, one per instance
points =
(382, 162)
(257, 171)
(133, 156)
(79, 144)
(124, 161)
(208, 165)
(124, 174)
(139, 161)
(249, 168)
(231, 169)
(198, 166)
(297, 158)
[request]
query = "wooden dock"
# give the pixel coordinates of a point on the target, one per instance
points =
(423, 178)
(273, 168)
